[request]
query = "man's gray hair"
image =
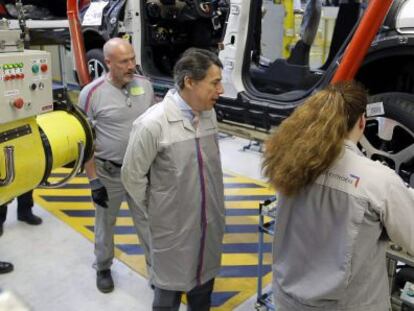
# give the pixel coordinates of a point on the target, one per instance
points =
(194, 64)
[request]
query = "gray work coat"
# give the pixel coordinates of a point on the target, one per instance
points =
(174, 174)
(329, 243)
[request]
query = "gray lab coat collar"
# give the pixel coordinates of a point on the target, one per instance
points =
(173, 112)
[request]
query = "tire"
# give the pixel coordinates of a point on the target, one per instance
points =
(389, 137)
(96, 63)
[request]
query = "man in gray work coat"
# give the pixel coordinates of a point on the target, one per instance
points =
(112, 103)
(172, 170)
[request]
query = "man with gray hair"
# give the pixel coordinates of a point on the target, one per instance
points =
(172, 170)
(112, 103)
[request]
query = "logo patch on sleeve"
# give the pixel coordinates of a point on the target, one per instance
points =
(137, 90)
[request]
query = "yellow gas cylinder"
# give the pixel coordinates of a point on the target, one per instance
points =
(29, 160)
(41, 144)
(63, 132)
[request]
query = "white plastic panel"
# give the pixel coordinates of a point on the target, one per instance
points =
(405, 18)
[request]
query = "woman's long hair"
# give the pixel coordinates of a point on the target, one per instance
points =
(307, 143)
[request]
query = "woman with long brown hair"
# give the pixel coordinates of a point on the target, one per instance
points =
(336, 208)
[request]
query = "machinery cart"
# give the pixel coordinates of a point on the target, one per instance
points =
(267, 211)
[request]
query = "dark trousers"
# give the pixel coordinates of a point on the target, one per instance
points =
(199, 298)
(24, 206)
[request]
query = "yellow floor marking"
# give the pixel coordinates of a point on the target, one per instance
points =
(243, 259)
(242, 204)
(244, 286)
(230, 238)
(243, 220)
(126, 239)
(248, 191)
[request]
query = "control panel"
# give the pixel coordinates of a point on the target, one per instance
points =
(25, 84)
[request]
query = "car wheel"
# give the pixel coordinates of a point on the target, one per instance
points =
(96, 63)
(389, 133)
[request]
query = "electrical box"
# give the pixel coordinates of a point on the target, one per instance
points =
(25, 84)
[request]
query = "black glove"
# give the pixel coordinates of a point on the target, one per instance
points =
(99, 194)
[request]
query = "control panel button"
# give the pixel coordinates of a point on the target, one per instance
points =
(43, 67)
(35, 68)
(33, 86)
(18, 103)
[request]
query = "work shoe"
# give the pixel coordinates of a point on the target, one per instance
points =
(5, 267)
(104, 281)
(30, 219)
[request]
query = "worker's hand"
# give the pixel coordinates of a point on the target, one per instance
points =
(99, 194)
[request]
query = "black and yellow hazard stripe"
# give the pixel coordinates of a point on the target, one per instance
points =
(238, 276)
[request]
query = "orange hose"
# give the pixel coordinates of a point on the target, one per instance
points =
(78, 44)
(361, 41)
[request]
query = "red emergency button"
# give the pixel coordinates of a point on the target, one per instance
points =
(18, 103)
(43, 67)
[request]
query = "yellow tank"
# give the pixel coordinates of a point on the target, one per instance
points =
(41, 144)
(63, 131)
(28, 154)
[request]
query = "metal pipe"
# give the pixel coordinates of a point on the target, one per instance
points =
(9, 165)
(75, 170)
(78, 44)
